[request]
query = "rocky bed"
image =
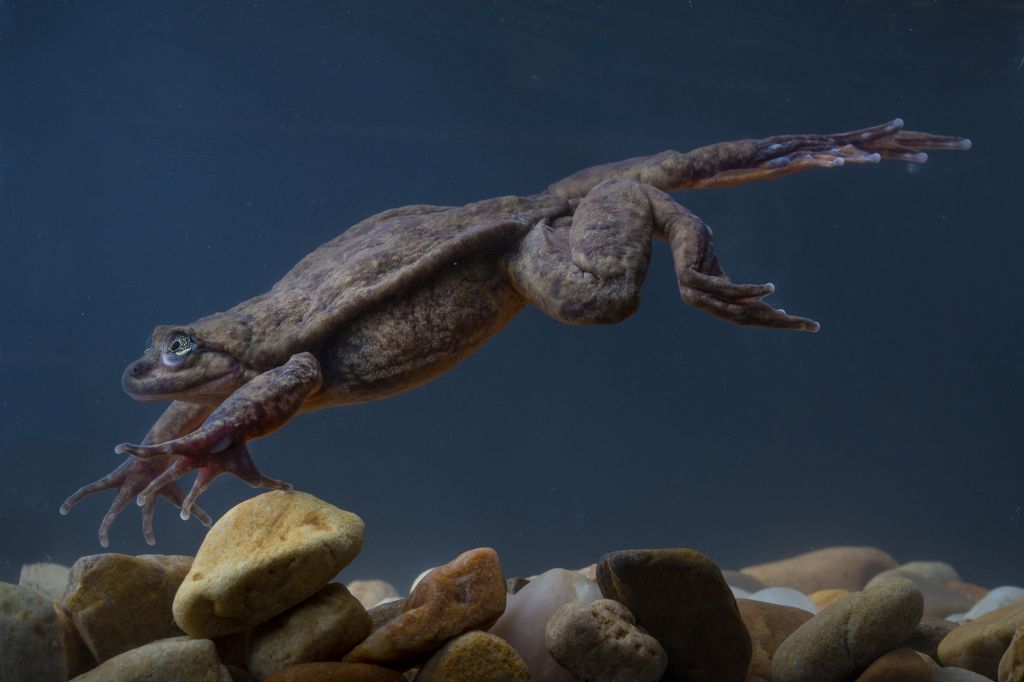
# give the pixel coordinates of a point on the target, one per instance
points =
(257, 603)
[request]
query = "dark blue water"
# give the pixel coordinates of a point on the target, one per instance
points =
(162, 161)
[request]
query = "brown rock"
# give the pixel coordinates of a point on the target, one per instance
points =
(851, 633)
(382, 613)
(465, 594)
(263, 557)
(372, 592)
(970, 591)
(769, 625)
(325, 627)
(823, 598)
(119, 602)
(336, 672)
(848, 568)
(77, 657)
(980, 644)
(31, 647)
(1011, 665)
(475, 657)
(939, 571)
(927, 635)
(680, 597)
(898, 665)
(939, 600)
(178, 658)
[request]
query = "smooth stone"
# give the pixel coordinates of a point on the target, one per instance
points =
(974, 593)
(681, 599)
(119, 602)
(528, 612)
(263, 557)
(769, 625)
(927, 635)
(995, 599)
(513, 585)
(77, 657)
(475, 657)
(178, 658)
(325, 627)
(599, 642)
(382, 613)
(336, 672)
(31, 647)
(823, 598)
(48, 579)
(981, 643)
(954, 674)
(1011, 665)
(785, 596)
(372, 592)
(850, 634)
(848, 568)
(939, 571)
(898, 665)
(939, 600)
(589, 572)
(467, 593)
(747, 583)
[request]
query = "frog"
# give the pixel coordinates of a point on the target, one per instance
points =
(405, 295)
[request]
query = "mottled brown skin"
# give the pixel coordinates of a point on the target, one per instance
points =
(403, 296)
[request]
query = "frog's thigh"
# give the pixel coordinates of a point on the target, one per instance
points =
(591, 271)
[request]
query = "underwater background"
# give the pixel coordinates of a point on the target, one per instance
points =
(160, 161)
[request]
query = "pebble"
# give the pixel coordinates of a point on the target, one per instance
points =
(49, 580)
(823, 598)
(465, 594)
(769, 625)
(528, 611)
(263, 557)
(1011, 665)
(979, 644)
(372, 592)
(939, 600)
(119, 602)
(933, 570)
(747, 583)
(178, 658)
(898, 665)
(599, 642)
(475, 657)
(954, 674)
(995, 599)
(336, 672)
(850, 634)
(31, 646)
(681, 599)
(927, 635)
(324, 627)
(849, 568)
(785, 596)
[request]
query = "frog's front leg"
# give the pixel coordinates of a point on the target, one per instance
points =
(257, 408)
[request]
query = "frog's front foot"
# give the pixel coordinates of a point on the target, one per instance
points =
(738, 303)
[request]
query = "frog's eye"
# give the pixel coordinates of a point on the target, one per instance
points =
(176, 348)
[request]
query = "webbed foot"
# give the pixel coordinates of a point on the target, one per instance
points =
(739, 303)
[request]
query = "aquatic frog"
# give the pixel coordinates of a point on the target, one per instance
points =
(403, 296)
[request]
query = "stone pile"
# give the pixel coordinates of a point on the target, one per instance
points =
(257, 602)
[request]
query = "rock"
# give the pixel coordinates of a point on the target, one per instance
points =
(324, 627)
(995, 599)
(31, 647)
(973, 593)
(119, 602)
(382, 613)
(927, 635)
(954, 674)
(49, 580)
(785, 596)
(263, 557)
(769, 625)
(1011, 665)
(178, 658)
(528, 611)
(898, 665)
(849, 634)
(336, 672)
(465, 594)
(938, 571)
(475, 657)
(939, 600)
(848, 568)
(372, 592)
(747, 583)
(589, 572)
(513, 585)
(681, 599)
(77, 657)
(823, 598)
(979, 644)
(599, 642)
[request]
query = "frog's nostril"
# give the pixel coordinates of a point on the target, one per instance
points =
(135, 370)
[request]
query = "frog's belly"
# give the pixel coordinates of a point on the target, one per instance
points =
(415, 338)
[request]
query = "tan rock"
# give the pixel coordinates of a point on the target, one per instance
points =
(47, 579)
(465, 594)
(898, 665)
(849, 634)
(325, 627)
(743, 581)
(939, 600)
(1011, 665)
(119, 602)
(769, 625)
(263, 557)
(475, 657)
(848, 568)
(372, 592)
(178, 658)
(939, 571)
(980, 644)
(31, 647)
(823, 598)
(927, 635)
(970, 591)
(336, 672)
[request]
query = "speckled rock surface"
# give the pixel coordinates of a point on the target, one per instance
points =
(336, 672)
(599, 642)
(371, 592)
(848, 568)
(681, 599)
(263, 557)
(119, 602)
(980, 644)
(178, 658)
(1011, 665)
(898, 665)
(927, 635)
(48, 579)
(475, 657)
(325, 627)
(769, 625)
(31, 647)
(849, 634)
(465, 594)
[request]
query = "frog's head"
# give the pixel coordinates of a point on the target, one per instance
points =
(185, 363)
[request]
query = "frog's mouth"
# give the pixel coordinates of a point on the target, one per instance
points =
(208, 378)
